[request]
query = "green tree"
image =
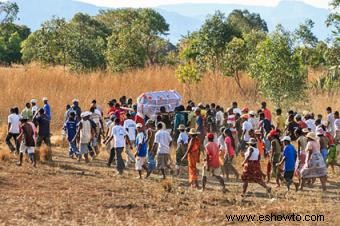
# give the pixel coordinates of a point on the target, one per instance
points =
(137, 38)
(305, 36)
(234, 60)
(8, 12)
(86, 43)
(11, 37)
(245, 22)
(334, 18)
(48, 44)
(280, 73)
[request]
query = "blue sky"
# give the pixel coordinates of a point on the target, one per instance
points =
(152, 3)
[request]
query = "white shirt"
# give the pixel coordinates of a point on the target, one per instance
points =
(237, 110)
(14, 120)
(311, 124)
(246, 126)
(130, 126)
(219, 117)
(337, 124)
(35, 109)
(330, 120)
(254, 156)
(254, 122)
(118, 133)
(183, 138)
(221, 142)
(163, 139)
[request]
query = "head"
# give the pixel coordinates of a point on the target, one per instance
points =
(41, 111)
(278, 111)
(128, 115)
(329, 110)
(213, 105)
(162, 109)
(188, 108)
(318, 122)
(129, 101)
(134, 107)
(139, 127)
(34, 102)
(16, 110)
(150, 124)
(28, 105)
(117, 106)
(210, 137)
(122, 100)
(45, 100)
(159, 126)
(263, 105)
(67, 107)
(23, 120)
(117, 121)
(336, 115)
(72, 115)
(75, 102)
(198, 111)
(319, 116)
(94, 103)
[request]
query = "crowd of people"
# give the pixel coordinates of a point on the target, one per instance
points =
(296, 148)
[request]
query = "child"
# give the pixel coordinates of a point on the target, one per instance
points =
(301, 155)
(141, 146)
(212, 164)
(70, 128)
(193, 155)
(150, 131)
(28, 141)
(182, 146)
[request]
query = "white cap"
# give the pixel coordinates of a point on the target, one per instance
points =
(139, 125)
(44, 98)
(85, 114)
(75, 100)
(34, 101)
(251, 113)
(286, 138)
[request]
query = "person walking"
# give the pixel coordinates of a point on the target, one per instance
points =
(130, 126)
(70, 128)
(47, 109)
(28, 141)
(141, 150)
(251, 167)
(42, 122)
(13, 130)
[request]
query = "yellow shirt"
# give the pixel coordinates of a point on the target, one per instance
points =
(280, 122)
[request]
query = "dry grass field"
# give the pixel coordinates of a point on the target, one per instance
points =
(65, 192)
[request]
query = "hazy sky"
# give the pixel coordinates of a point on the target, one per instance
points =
(151, 3)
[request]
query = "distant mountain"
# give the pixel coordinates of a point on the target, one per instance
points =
(182, 18)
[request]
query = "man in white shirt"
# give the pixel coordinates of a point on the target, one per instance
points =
(120, 137)
(13, 129)
(246, 127)
(219, 116)
(130, 127)
(162, 144)
(330, 121)
(35, 108)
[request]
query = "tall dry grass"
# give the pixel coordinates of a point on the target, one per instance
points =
(20, 84)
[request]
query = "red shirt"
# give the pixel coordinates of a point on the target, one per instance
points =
(267, 114)
(212, 151)
(231, 150)
(111, 111)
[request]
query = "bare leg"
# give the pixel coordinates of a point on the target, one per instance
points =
(204, 182)
(220, 179)
(323, 183)
(245, 186)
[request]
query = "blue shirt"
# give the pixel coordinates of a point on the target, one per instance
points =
(47, 110)
(71, 129)
(289, 153)
(141, 140)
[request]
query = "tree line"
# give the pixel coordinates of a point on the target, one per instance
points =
(125, 39)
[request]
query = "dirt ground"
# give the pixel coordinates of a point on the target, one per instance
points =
(65, 192)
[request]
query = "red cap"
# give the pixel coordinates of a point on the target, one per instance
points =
(210, 136)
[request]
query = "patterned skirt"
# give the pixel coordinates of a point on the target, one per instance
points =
(316, 167)
(252, 172)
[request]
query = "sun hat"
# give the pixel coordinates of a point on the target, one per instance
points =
(210, 136)
(181, 127)
(150, 121)
(75, 100)
(319, 131)
(193, 131)
(139, 125)
(34, 101)
(252, 141)
(44, 98)
(311, 135)
(286, 138)
(305, 130)
(85, 114)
